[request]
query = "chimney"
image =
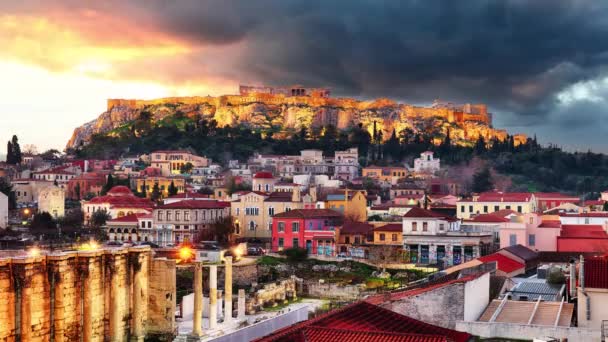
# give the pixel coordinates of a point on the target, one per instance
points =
(572, 278)
(295, 195)
(86, 166)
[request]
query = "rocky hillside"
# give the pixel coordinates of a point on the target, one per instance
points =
(285, 115)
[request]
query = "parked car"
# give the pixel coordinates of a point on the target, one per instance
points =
(148, 243)
(255, 251)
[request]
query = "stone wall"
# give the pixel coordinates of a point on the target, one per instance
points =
(333, 291)
(442, 307)
(99, 295)
(517, 331)
(161, 300)
(272, 293)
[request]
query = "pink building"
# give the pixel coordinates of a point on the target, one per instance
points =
(313, 229)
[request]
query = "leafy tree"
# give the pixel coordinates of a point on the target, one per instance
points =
(205, 191)
(172, 189)
(222, 230)
(482, 180)
(73, 218)
(99, 218)
(42, 221)
(392, 147)
(109, 185)
(156, 195)
(10, 156)
(187, 168)
(296, 254)
(7, 188)
(605, 207)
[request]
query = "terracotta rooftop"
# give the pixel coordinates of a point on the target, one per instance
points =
(356, 228)
(417, 212)
(189, 195)
(503, 263)
(522, 312)
(497, 196)
(492, 218)
(596, 272)
(522, 252)
(194, 204)
(363, 321)
(308, 213)
(263, 175)
(390, 227)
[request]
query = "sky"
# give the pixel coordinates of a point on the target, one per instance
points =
(540, 66)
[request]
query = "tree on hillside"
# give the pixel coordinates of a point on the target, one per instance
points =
(16, 151)
(43, 220)
(220, 231)
(10, 157)
(77, 191)
(7, 188)
(109, 185)
(392, 147)
(99, 218)
(172, 189)
(186, 168)
(482, 180)
(156, 195)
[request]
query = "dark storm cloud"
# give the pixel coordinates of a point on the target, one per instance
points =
(513, 55)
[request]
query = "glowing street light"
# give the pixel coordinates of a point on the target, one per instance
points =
(186, 254)
(34, 252)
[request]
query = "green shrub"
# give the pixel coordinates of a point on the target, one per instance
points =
(296, 254)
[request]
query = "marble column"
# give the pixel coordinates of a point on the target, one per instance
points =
(219, 304)
(197, 323)
(228, 290)
(212, 297)
(241, 304)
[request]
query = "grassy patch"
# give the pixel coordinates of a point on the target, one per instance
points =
(282, 306)
(270, 261)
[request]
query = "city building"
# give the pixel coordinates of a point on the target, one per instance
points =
(182, 221)
(52, 200)
(3, 211)
(489, 202)
(172, 162)
(294, 90)
(146, 184)
(427, 163)
(390, 234)
(313, 229)
(592, 293)
(406, 189)
(88, 183)
(118, 202)
(263, 182)
(346, 164)
(353, 238)
(385, 174)
(429, 238)
(27, 190)
(351, 203)
(130, 228)
(60, 175)
(252, 212)
(549, 200)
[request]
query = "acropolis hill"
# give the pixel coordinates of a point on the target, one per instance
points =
(291, 108)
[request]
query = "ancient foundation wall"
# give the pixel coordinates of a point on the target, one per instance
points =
(100, 295)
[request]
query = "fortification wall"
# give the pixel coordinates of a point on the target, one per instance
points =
(90, 295)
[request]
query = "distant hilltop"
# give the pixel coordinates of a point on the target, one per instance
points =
(291, 108)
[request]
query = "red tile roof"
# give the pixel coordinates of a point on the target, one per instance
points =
(195, 204)
(189, 195)
(503, 262)
(133, 218)
(582, 230)
(120, 190)
(596, 272)
(390, 227)
(417, 212)
(497, 196)
(555, 195)
(551, 224)
(591, 214)
(308, 213)
(493, 218)
(356, 228)
(363, 321)
(263, 175)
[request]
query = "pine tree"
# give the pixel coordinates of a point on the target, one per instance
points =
(77, 191)
(155, 195)
(10, 157)
(172, 189)
(16, 151)
(482, 180)
(109, 185)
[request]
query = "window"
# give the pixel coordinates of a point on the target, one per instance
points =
(485, 208)
(496, 208)
(149, 224)
(531, 240)
(143, 224)
(159, 215)
(271, 211)
(470, 208)
(168, 215)
(238, 211)
(251, 225)
(296, 242)
(508, 207)
(414, 226)
(295, 227)
(512, 240)
(280, 242)
(177, 215)
(394, 237)
(382, 237)
(441, 226)
(186, 215)
(281, 227)
(357, 240)
(425, 226)
(462, 209)
(519, 208)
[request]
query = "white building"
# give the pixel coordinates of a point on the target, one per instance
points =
(426, 163)
(3, 211)
(346, 164)
(52, 201)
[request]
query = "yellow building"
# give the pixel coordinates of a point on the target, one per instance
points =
(253, 212)
(163, 184)
(388, 234)
(171, 162)
(351, 203)
(490, 202)
(385, 174)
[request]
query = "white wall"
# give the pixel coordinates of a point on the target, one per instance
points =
(3, 211)
(528, 332)
(476, 297)
(583, 220)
